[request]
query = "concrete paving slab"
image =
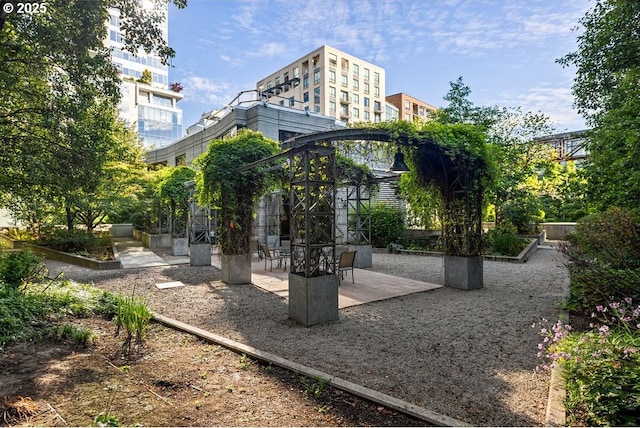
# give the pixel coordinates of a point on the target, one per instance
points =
(172, 284)
(132, 254)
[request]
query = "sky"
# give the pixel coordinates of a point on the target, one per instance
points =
(505, 50)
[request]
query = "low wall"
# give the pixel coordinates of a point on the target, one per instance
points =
(558, 231)
(121, 230)
(73, 259)
(153, 241)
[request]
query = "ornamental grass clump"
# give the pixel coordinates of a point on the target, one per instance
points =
(601, 366)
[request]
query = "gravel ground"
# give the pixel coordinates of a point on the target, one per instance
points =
(467, 354)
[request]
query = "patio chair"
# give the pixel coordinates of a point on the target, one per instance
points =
(271, 256)
(347, 259)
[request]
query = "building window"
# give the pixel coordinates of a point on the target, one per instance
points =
(366, 88)
(286, 76)
(421, 111)
(296, 72)
(344, 64)
(376, 106)
(345, 80)
(332, 76)
(277, 80)
(366, 101)
(356, 85)
(292, 102)
(281, 102)
(367, 116)
(344, 96)
(376, 91)
(344, 110)
(407, 105)
(356, 99)
(305, 97)
(377, 118)
(407, 117)
(162, 101)
(356, 112)
(269, 84)
(356, 70)
(316, 95)
(316, 76)
(316, 107)
(332, 91)
(305, 81)
(376, 78)
(333, 60)
(332, 106)
(366, 74)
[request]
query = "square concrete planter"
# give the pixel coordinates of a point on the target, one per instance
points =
(313, 300)
(180, 246)
(464, 273)
(236, 269)
(200, 254)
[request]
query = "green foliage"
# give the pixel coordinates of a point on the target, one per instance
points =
(173, 190)
(607, 93)
(74, 241)
(34, 313)
(504, 240)
(133, 316)
(235, 193)
(601, 367)
(387, 224)
(522, 210)
(563, 193)
(18, 267)
(604, 256)
(79, 335)
(146, 77)
(349, 171)
(314, 386)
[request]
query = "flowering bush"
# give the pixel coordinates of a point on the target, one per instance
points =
(601, 366)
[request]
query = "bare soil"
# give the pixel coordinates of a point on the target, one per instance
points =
(174, 379)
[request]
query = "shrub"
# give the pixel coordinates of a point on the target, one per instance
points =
(604, 260)
(387, 224)
(601, 366)
(17, 267)
(504, 240)
(524, 212)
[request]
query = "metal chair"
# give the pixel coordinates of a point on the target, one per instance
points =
(347, 259)
(266, 252)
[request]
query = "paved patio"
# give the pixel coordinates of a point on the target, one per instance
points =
(369, 286)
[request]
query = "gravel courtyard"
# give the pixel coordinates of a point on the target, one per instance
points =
(469, 355)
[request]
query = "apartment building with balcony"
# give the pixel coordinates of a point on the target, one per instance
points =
(330, 82)
(410, 108)
(151, 106)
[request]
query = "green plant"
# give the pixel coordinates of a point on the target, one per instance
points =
(504, 240)
(235, 193)
(244, 362)
(315, 386)
(604, 260)
(601, 366)
(133, 316)
(106, 419)
(79, 335)
(387, 224)
(17, 267)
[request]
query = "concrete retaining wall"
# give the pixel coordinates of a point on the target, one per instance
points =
(558, 231)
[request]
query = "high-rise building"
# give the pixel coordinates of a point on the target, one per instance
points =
(149, 103)
(410, 108)
(329, 82)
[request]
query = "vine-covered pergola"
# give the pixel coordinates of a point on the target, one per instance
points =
(451, 157)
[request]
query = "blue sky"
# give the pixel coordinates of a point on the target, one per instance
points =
(505, 50)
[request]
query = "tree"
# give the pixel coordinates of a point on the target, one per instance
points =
(607, 93)
(54, 71)
(172, 188)
(518, 156)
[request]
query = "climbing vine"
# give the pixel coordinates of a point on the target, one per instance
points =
(233, 193)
